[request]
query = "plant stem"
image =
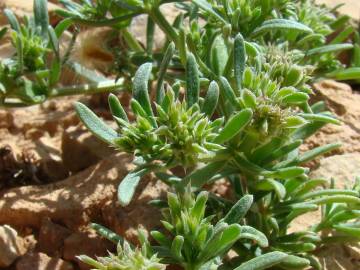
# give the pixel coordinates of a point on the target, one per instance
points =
(161, 21)
(106, 22)
(85, 89)
(131, 41)
(88, 89)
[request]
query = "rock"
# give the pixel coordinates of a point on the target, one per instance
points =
(126, 221)
(6, 119)
(81, 149)
(85, 243)
(51, 117)
(335, 258)
(25, 8)
(72, 202)
(348, 7)
(343, 168)
(51, 238)
(29, 161)
(6, 49)
(40, 261)
(343, 102)
(305, 221)
(11, 246)
(139, 24)
(353, 250)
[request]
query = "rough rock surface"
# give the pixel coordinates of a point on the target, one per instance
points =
(52, 237)
(81, 149)
(40, 261)
(336, 258)
(343, 168)
(30, 147)
(139, 24)
(85, 243)
(26, 161)
(354, 251)
(343, 102)
(139, 214)
(349, 7)
(82, 198)
(73, 202)
(25, 8)
(11, 246)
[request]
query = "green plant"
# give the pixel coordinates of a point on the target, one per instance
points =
(33, 73)
(266, 116)
(126, 259)
(194, 241)
(256, 160)
(231, 101)
(301, 27)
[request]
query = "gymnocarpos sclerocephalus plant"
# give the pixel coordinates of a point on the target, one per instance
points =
(227, 97)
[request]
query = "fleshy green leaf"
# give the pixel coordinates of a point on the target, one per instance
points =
(198, 210)
(352, 73)
(286, 173)
(313, 153)
(295, 98)
(329, 49)
(161, 238)
(221, 242)
(229, 92)
(350, 230)
(176, 246)
(62, 26)
(192, 81)
(95, 124)
(162, 72)
(295, 262)
(14, 23)
(250, 233)
(207, 7)
(211, 99)
(329, 192)
(336, 199)
(239, 60)
(282, 151)
(141, 91)
(108, 234)
(264, 261)
(308, 186)
(249, 99)
(281, 24)
(270, 184)
(199, 177)
(54, 42)
(219, 55)
(116, 109)
(234, 126)
(41, 17)
(127, 187)
(239, 210)
(320, 118)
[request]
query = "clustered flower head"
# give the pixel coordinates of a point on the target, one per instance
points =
(182, 135)
(126, 258)
(274, 106)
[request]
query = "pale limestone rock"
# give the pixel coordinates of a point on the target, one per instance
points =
(11, 246)
(40, 261)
